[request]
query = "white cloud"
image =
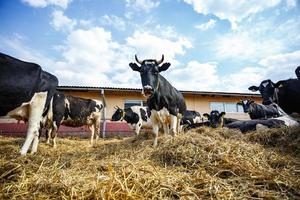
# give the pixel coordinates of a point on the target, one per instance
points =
(142, 5)
(234, 11)
(241, 80)
(291, 4)
(194, 76)
(276, 67)
(114, 21)
(242, 46)
(62, 22)
(147, 45)
(281, 65)
(44, 3)
(15, 47)
(205, 26)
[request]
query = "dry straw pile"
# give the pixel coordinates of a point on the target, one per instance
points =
(201, 164)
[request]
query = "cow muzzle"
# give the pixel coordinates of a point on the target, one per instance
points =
(148, 90)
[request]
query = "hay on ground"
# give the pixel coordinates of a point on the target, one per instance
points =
(201, 164)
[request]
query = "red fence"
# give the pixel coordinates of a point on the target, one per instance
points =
(121, 129)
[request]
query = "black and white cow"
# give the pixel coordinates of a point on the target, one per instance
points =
(136, 116)
(190, 117)
(253, 125)
(216, 119)
(166, 104)
(25, 94)
(285, 93)
(75, 112)
(258, 111)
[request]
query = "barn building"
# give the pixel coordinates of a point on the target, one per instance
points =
(202, 102)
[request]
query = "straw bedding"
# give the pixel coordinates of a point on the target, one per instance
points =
(200, 164)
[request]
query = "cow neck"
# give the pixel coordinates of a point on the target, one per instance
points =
(275, 95)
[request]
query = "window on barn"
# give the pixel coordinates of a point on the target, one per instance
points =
(228, 107)
(129, 103)
(219, 106)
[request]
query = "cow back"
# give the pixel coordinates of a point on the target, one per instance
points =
(19, 81)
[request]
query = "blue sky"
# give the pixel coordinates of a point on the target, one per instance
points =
(215, 45)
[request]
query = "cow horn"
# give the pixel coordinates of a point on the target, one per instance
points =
(137, 60)
(161, 60)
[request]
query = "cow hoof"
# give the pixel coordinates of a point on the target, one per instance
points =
(23, 153)
(33, 152)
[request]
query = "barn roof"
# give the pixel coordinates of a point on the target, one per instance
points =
(121, 89)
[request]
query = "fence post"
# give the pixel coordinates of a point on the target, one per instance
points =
(103, 113)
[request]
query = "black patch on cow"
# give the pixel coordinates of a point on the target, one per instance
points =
(166, 96)
(143, 114)
(189, 116)
(75, 114)
(130, 116)
(258, 111)
(20, 80)
(196, 125)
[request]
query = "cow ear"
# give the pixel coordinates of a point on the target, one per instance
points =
(222, 114)
(164, 67)
(253, 88)
(239, 103)
(135, 67)
(206, 115)
(279, 84)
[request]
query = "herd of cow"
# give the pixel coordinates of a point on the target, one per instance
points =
(28, 93)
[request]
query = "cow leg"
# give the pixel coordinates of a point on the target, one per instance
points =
(137, 129)
(97, 130)
(173, 125)
(179, 127)
(36, 108)
(54, 134)
(48, 135)
(155, 127)
(92, 130)
(166, 129)
(155, 132)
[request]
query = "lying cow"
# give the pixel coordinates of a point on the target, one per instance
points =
(75, 112)
(190, 117)
(166, 104)
(217, 119)
(258, 111)
(25, 94)
(285, 93)
(253, 125)
(136, 116)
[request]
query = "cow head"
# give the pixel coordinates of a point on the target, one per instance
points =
(246, 104)
(267, 91)
(118, 115)
(215, 118)
(149, 70)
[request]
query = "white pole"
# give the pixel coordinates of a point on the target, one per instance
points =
(103, 114)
